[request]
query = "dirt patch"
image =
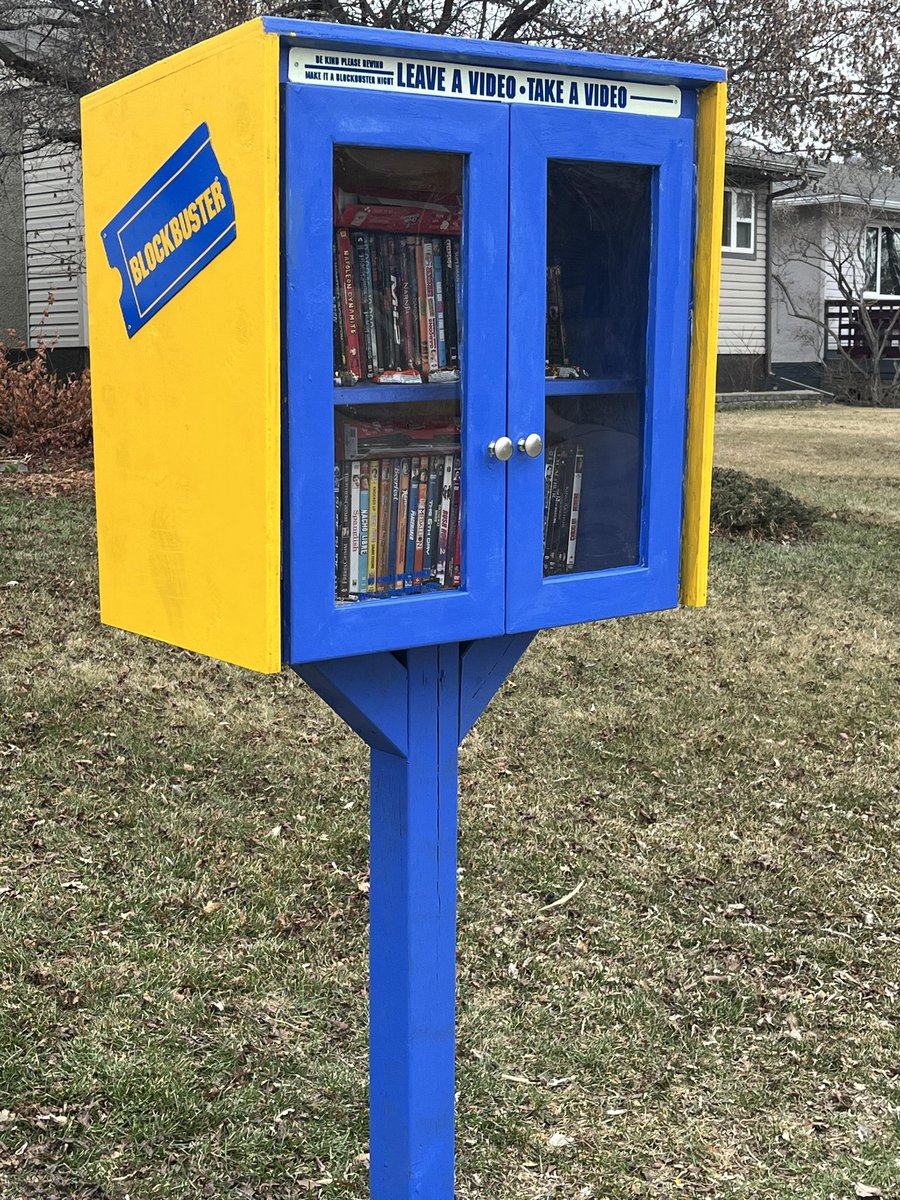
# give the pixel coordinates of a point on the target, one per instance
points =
(47, 477)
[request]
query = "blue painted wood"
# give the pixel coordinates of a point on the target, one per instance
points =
(590, 387)
(315, 119)
(368, 692)
(433, 695)
(393, 393)
(534, 602)
(497, 53)
(485, 664)
(412, 941)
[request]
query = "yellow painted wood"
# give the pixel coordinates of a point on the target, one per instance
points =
(702, 391)
(187, 412)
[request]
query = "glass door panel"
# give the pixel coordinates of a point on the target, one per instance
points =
(598, 228)
(395, 331)
(600, 241)
(398, 282)
(398, 217)
(398, 499)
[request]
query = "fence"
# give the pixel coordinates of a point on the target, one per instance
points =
(845, 331)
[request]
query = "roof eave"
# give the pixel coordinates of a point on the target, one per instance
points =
(840, 198)
(773, 168)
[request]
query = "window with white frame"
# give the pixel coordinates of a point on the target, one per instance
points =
(739, 221)
(883, 260)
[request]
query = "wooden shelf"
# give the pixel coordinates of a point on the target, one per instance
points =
(589, 387)
(396, 393)
(410, 393)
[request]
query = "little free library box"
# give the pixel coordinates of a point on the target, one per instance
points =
(398, 340)
(403, 348)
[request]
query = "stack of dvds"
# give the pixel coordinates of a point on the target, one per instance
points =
(563, 470)
(396, 289)
(397, 509)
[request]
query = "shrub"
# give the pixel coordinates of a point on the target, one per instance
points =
(850, 386)
(745, 506)
(39, 411)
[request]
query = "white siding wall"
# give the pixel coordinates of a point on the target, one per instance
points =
(742, 306)
(12, 247)
(794, 338)
(54, 245)
(845, 240)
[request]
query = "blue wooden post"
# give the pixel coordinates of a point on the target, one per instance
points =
(412, 941)
(413, 709)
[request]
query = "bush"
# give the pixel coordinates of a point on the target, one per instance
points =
(39, 411)
(850, 386)
(745, 506)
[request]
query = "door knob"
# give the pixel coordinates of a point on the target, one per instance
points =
(501, 449)
(531, 445)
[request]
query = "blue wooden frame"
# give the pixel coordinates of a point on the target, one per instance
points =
(318, 627)
(532, 601)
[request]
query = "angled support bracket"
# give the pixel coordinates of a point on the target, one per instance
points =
(484, 664)
(369, 692)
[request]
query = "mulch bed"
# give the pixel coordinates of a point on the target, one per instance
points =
(46, 476)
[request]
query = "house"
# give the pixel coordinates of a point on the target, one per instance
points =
(42, 288)
(745, 350)
(835, 246)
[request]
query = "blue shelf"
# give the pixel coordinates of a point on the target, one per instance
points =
(590, 387)
(394, 393)
(410, 393)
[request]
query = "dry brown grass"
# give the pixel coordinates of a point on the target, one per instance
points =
(713, 1014)
(845, 458)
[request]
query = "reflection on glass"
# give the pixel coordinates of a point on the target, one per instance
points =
(397, 498)
(744, 221)
(397, 270)
(726, 218)
(598, 270)
(592, 482)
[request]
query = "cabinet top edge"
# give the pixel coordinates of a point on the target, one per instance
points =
(512, 54)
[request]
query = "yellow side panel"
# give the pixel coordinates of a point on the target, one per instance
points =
(187, 412)
(702, 394)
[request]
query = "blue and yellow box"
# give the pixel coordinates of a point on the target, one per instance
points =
(399, 340)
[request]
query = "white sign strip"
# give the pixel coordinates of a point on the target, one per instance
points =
(462, 81)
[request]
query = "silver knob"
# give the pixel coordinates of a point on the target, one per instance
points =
(501, 449)
(531, 445)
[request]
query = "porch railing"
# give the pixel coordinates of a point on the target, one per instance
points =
(845, 331)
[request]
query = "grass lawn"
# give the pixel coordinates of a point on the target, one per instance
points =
(714, 1014)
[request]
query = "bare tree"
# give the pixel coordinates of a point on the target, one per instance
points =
(805, 76)
(833, 249)
(52, 52)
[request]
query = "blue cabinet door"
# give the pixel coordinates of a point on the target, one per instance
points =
(395, 332)
(600, 263)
